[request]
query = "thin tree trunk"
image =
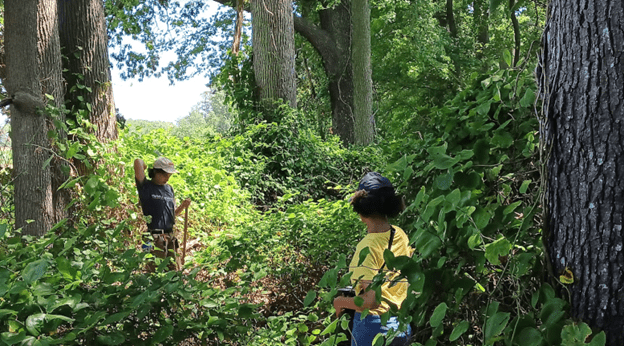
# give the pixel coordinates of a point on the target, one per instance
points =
(238, 31)
(516, 30)
(580, 75)
(362, 73)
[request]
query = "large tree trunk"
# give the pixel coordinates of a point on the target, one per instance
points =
(362, 73)
(581, 78)
(51, 70)
(273, 40)
(333, 42)
(85, 44)
(34, 211)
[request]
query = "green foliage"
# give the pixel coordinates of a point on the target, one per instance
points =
(207, 118)
(146, 126)
(287, 158)
(81, 287)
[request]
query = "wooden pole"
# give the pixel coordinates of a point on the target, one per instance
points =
(185, 231)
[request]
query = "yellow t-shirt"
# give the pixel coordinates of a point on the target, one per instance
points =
(377, 243)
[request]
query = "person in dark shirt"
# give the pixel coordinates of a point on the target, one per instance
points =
(158, 201)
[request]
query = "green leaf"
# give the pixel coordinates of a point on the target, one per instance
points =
(65, 268)
(363, 253)
(116, 317)
(92, 185)
(444, 161)
(482, 151)
(507, 57)
(3, 229)
(7, 312)
(469, 181)
(13, 338)
(162, 334)
(530, 336)
(497, 249)
(310, 297)
(438, 315)
(553, 312)
(528, 99)
(444, 181)
(245, 311)
(599, 340)
(454, 197)
(114, 338)
(378, 340)
(34, 323)
(575, 334)
(481, 218)
(459, 329)
(503, 139)
(427, 243)
(510, 208)
(495, 325)
(34, 271)
(484, 108)
(525, 186)
(330, 328)
(474, 241)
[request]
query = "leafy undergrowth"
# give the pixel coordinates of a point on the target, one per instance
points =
(270, 232)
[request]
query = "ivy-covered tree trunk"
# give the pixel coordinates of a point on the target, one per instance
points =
(85, 44)
(274, 51)
(32, 70)
(362, 72)
(332, 39)
(581, 76)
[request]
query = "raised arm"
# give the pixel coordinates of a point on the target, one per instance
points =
(139, 170)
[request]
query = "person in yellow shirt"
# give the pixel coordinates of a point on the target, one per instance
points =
(376, 202)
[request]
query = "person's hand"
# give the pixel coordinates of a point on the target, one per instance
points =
(338, 307)
(186, 203)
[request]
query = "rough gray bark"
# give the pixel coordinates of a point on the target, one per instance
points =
(273, 39)
(85, 44)
(362, 73)
(34, 211)
(581, 74)
(51, 72)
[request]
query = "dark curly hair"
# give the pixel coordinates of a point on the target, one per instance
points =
(380, 202)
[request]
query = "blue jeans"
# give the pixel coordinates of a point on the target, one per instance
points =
(365, 330)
